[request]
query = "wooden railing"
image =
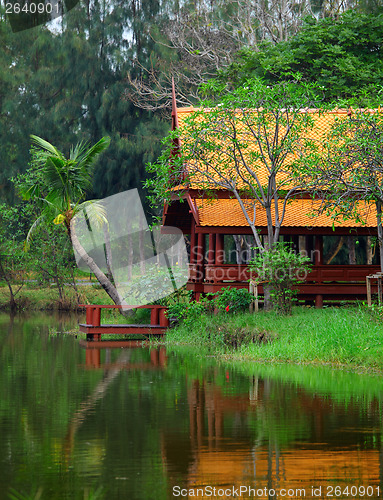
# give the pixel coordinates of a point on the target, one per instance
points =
(317, 274)
(93, 327)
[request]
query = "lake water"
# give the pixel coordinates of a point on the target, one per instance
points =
(150, 424)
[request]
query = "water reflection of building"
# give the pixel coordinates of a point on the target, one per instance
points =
(93, 355)
(258, 439)
(254, 432)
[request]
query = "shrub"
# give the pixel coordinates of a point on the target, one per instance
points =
(189, 312)
(280, 268)
(233, 300)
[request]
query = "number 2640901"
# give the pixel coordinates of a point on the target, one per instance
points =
(32, 8)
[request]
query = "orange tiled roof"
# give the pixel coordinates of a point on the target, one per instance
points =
(227, 212)
(322, 124)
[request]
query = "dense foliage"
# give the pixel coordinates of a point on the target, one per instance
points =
(343, 55)
(72, 80)
(281, 268)
(347, 168)
(67, 83)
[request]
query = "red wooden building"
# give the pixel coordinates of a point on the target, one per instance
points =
(211, 224)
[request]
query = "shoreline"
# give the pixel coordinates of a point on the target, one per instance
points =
(347, 338)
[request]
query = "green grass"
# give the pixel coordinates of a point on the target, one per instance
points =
(351, 336)
(32, 297)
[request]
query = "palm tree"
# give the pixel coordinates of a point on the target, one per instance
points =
(61, 194)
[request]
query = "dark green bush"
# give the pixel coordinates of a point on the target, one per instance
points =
(281, 269)
(233, 300)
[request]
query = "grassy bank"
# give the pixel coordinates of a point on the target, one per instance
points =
(351, 336)
(34, 298)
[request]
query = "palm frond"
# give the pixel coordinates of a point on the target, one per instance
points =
(78, 150)
(32, 229)
(54, 171)
(87, 157)
(16, 495)
(28, 192)
(93, 210)
(47, 146)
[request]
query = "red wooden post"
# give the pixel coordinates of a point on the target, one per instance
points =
(319, 301)
(93, 315)
(89, 315)
(211, 252)
(318, 250)
(192, 242)
(200, 251)
(154, 316)
(219, 249)
(164, 320)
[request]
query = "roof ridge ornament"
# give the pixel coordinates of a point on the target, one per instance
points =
(175, 124)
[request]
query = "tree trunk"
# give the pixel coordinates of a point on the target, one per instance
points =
(130, 257)
(302, 245)
(12, 301)
(268, 302)
(369, 251)
(108, 253)
(351, 250)
(335, 249)
(267, 288)
(141, 245)
(101, 278)
(242, 248)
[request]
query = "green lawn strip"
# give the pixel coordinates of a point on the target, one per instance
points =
(351, 336)
(33, 297)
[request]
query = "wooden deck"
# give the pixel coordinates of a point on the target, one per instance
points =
(329, 282)
(94, 329)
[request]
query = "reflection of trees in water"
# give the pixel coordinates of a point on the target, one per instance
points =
(90, 402)
(110, 372)
(186, 418)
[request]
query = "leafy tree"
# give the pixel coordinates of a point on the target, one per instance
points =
(245, 143)
(13, 264)
(282, 268)
(347, 169)
(342, 55)
(60, 185)
(200, 39)
(51, 260)
(227, 145)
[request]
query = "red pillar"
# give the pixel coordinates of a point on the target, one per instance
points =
(211, 252)
(163, 318)
(318, 250)
(192, 242)
(318, 301)
(219, 249)
(199, 257)
(318, 262)
(154, 316)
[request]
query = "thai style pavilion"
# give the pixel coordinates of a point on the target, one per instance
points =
(211, 224)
